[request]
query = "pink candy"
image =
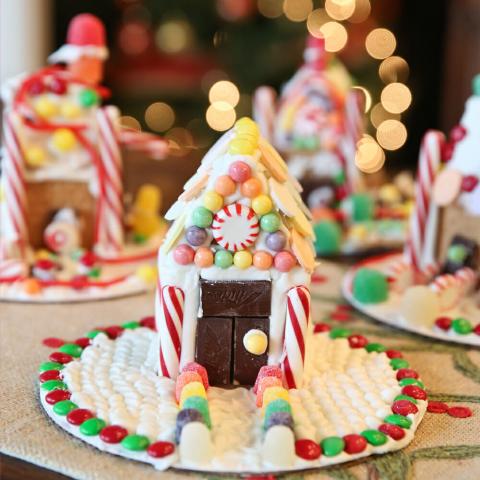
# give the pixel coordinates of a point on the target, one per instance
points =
(183, 254)
(240, 171)
(200, 370)
(284, 261)
(267, 371)
(265, 383)
(183, 379)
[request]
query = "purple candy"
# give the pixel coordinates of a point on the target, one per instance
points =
(279, 418)
(185, 416)
(276, 241)
(196, 236)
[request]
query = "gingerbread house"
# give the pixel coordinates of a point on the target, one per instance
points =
(235, 266)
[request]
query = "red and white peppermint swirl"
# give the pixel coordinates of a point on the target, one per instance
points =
(467, 279)
(447, 287)
(235, 227)
(296, 326)
(169, 320)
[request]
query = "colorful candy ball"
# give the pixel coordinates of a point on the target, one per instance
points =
(183, 254)
(262, 260)
(213, 201)
(88, 97)
(242, 259)
(284, 261)
(196, 236)
(223, 259)
(45, 107)
(183, 379)
(262, 204)
(63, 140)
(251, 188)
(225, 186)
(70, 110)
(240, 171)
(276, 241)
(202, 217)
(35, 156)
(203, 257)
(270, 222)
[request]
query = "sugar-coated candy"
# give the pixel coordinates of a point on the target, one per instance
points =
(160, 449)
(307, 449)
(279, 418)
(262, 204)
(240, 171)
(57, 85)
(200, 404)
(195, 444)
(223, 259)
(183, 379)
(420, 305)
(251, 188)
(135, 443)
(183, 254)
(196, 236)
(200, 369)
(185, 416)
(370, 286)
(284, 261)
(63, 140)
(279, 405)
(279, 447)
(263, 384)
(225, 185)
(273, 393)
(374, 437)
(332, 446)
(276, 241)
(354, 443)
(192, 389)
(45, 107)
(213, 201)
(262, 260)
(267, 371)
(270, 222)
(242, 259)
(203, 257)
(328, 236)
(202, 217)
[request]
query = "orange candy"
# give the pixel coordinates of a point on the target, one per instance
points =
(203, 257)
(262, 260)
(32, 286)
(225, 185)
(323, 213)
(251, 188)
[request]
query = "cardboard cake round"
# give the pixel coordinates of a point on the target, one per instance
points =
(68, 230)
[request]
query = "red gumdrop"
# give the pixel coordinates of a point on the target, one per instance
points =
(114, 331)
(183, 379)
(113, 434)
(393, 431)
(58, 86)
(78, 416)
(406, 373)
(354, 443)
(404, 407)
(200, 369)
(83, 342)
(307, 449)
(53, 342)
(414, 391)
(49, 375)
(357, 341)
(393, 354)
(457, 133)
(148, 322)
(57, 396)
(469, 183)
(36, 87)
(267, 371)
(321, 327)
(60, 357)
(437, 407)
(161, 449)
(263, 384)
(443, 323)
(459, 412)
(340, 193)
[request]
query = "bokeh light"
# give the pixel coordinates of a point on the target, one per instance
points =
(159, 116)
(134, 38)
(315, 21)
(396, 97)
(394, 69)
(220, 116)
(369, 157)
(368, 97)
(174, 36)
(379, 114)
(270, 8)
(297, 10)
(340, 9)
(224, 91)
(130, 122)
(391, 134)
(380, 43)
(335, 35)
(361, 12)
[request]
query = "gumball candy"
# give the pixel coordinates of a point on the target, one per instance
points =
(70, 110)
(262, 260)
(240, 171)
(183, 254)
(370, 286)
(270, 222)
(88, 97)
(183, 379)
(63, 140)
(196, 236)
(200, 369)
(58, 86)
(213, 201)
(242, 259)
(35, 156)
(202, 217)
(223, 259)
(262, 204)
(255, 342)
(45, 107)
(457, 133)
(203, 257)
(225, 186)
(284, 261)
(251, 188)
(276, 241)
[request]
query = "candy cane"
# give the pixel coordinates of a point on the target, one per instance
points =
(13, 212)
(110, 221)
(12, 269)
(264, 110)
(151, 144)
(169, 320)
(298, 315)
(419, 246)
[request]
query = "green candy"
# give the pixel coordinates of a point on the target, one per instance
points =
(135, 443)
(398, 420)
(131, 325)
(328, 237)
(88, 97)
(370, 286)
(200, 404)
(310, 143)
(340, 332)
(374, 437)
(279, 405)
(476, 85)
(92, 427)
(50, 385)
(93, 333)
(270, 222)
(332, 446)
(94, 272)
(397, 363)
(404, 397)
(362, 207)
(457, 253)
(462, 326)
(410, 381)
(202, 217)
(339, 178)
(223, 259)
(64, 407)
(375, 347)
(71, 349)
(50, 366)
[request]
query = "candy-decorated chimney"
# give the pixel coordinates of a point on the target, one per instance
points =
(235, 266)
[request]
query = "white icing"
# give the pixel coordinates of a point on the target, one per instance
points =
(70, 53)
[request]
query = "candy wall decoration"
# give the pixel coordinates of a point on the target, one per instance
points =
(298, 315)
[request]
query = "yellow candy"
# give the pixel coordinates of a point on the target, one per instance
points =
(42, 254)
(63, 140)
(192, 389)
(389, 194)
(35, 156)
(239, 146)
(245, 122)
(45, 107)
(274, 393)
(248, 129)
(213, 201)
(70, 110)
(147, 273)
(358, 232)
(242, 259)
(255, 342)
(262, 204)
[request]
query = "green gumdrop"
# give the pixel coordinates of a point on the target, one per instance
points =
(374, 437)
(328, 236)
(476, 85)
(457, 253)
(64, 407)
(332, 446)
(92, 427)
(375, 347)
(397, 363)
(200, 404)
(279, 405)
(362, 207)
(71, 349)
(370, 286)
(50, 366)
(461, 326)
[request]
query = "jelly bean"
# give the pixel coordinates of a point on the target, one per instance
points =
(92, 427)
(135, 443)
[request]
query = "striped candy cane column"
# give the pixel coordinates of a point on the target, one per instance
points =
(419, 248)
(264, 110)
(169, 321)
(13, 216)
(110, 222)
(298, 316)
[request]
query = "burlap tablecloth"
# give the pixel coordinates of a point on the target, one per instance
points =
(443, 448)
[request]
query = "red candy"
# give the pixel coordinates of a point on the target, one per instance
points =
(459, 412)
(160, 449)
(267, 371)
(437, 407)
(469, 183)
(476, 330)
(113, 434)
(57, 396)
(354, 443)
(265, 383)
(49, 375)
(78, 416)
(307, 449)
(53, 342)
(114, 331)
(443, 323)
(321, 327)
(58, 86)
(447, 151)
(415, 392)
(36, 87)
(404, 407)
(340, 316)
(406, 373)
(393, 431)
(458, 132)
(83, 342)
(357, 341)
(393, 354)
(344, 307)
(148, 322)
(60, 357)
(197, 368)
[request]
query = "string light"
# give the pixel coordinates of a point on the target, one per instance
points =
(220, 116)
(396, 97)
(394, 69)
(391, 134)
(315, 21)
(297, 10)
(174, 36)
(380, 43)
(224, 91)
(130, 122)
(368, 97)
(379, 114)
(134, 38)
(335, 35)
(340, 9)
(270, 8)
(361, 12)
(159, 116)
